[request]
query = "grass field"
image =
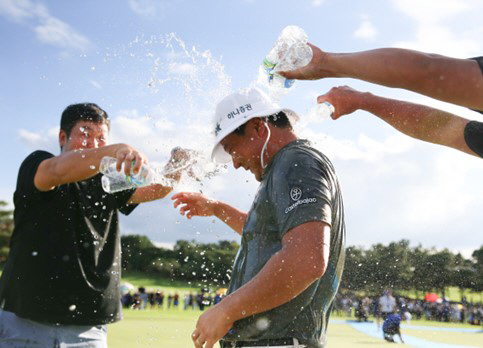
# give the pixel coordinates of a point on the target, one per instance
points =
(172, 328)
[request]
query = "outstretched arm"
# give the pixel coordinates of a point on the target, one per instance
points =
(195, 204)
(457, 81)
(417, 121)
(78, 165)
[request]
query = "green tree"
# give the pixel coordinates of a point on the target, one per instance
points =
(433, 271)
(140, 254)
(355, 276)
(210, 262)
(478, 258)
(6, 229)
(463, 273)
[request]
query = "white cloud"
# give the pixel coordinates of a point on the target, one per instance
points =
(436, 38)
(317, 3)
(366, 31)
(48, 29)
(427, 11)
(18, 10)
(148, 8)
(95, 84)
(433, 34)
(363, 148)
(182, 68)
(45, 140)
(143, 7)
(56, 32)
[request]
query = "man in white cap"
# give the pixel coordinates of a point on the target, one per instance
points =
(289, 265)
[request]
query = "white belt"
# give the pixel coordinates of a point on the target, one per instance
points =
(294, 345)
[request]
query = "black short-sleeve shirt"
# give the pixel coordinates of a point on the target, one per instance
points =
(64, 261)
(299, 186)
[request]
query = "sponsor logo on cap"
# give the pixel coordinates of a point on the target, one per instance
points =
(239, 110)
(217, 128)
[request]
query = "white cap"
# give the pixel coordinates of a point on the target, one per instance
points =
(237, 109)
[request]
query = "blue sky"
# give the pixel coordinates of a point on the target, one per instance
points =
(158, 68)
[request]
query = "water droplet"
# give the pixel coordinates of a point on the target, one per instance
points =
(262, 324)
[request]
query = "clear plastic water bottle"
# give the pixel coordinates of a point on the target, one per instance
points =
(319, 113)
(290, 52)
(195, 164)
(114, 181)
(325, 109)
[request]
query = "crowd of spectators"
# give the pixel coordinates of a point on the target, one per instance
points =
(142, 299)
(440, 310)
(347, 304)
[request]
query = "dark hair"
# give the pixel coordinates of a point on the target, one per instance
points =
(82, 112)
(279, 120)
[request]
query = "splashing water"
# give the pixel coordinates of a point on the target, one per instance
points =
(168, 95)
(317, 114)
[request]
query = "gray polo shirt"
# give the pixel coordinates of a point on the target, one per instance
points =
(299, 186)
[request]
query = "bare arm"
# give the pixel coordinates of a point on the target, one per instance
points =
(417, 121)
(195, 204)
(149, 193)
(80, 165)
(302, 260)
(457, 81)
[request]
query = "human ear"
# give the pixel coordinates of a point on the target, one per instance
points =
(62, 138)
(259, 125)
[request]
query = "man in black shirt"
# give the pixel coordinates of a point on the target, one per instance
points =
(60, 284)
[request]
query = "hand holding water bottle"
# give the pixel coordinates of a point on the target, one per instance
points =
(290, 51)
(121, 178)
(318, 67)
(129, 158)
(345, 100)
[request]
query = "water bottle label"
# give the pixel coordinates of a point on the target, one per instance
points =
(288, 83)
(268, 65)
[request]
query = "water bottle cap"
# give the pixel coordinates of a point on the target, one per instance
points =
(237, 109)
